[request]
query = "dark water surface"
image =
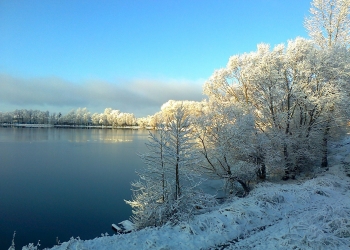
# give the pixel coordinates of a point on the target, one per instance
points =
(65, 182)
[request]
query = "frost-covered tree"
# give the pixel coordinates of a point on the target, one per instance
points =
(166, 191)
(82, 116)
(86, 116)
(227, 141)
(329, 27)
(192, 108)
(114, 118)
(180, 153)
(142, 122)
(329, 23)
(150, 193)
(290, 91)
(95, 118)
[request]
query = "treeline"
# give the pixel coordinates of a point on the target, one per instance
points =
(79, 117)
(83, 117)
(26, 116)
(271, 112)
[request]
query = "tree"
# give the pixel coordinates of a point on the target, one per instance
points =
(95, 118)
(224, 139)
(86, 116)
(290, 91)
(329, 27)
(166, 189)
(329, 23)
(150, 193)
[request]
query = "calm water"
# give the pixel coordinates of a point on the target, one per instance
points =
(65, 182)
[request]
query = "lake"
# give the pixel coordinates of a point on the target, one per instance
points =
(65, 182)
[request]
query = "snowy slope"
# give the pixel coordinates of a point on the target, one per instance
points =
(309, 214)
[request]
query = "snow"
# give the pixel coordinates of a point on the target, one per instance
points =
(114, 226)
(309, 213)
(127, 225)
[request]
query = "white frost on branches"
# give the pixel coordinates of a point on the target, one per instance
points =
(329, 23)
(168, 187)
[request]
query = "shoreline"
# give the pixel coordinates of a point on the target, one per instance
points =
(71, 126)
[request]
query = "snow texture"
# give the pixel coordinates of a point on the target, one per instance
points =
(313, 213)
(127, 225)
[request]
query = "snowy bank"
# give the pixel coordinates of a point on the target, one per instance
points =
(308, 214)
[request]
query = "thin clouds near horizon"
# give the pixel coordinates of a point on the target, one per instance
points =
(139, 96)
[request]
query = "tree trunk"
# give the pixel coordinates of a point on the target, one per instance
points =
(244, 186)
(261, 173)
(287, 168)
(177, 182)
(177, 172)
(324, 162)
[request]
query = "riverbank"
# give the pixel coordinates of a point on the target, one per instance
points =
(311, 212)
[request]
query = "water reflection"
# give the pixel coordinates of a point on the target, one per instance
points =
(68, 134)
(24, 134)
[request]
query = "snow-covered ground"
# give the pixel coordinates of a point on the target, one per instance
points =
(313, 213)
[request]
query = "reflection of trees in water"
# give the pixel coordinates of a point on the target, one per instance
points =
(101, 135)
(70, 134)
(28, 134)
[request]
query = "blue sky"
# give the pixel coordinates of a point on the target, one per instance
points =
(129, 55)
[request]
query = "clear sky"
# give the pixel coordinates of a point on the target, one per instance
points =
(131, 55)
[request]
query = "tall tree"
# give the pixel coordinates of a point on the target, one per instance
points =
(329, 23)
(329, 27)
(151, 192)
(167, 189)
(290, 91)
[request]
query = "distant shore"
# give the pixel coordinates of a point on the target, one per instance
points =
(69, 126)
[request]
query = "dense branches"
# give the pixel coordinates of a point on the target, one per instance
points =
(329, 23)
(166, 191)
(224, 139)
(292, 92)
